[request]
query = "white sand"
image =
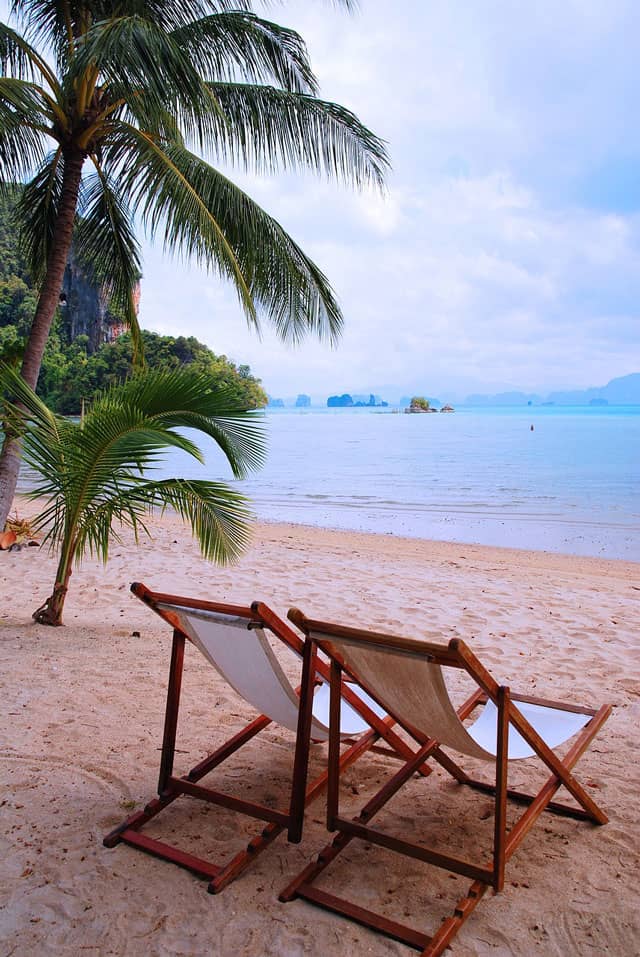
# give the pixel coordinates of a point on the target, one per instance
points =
(82, 723)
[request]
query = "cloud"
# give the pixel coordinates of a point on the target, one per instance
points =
(476, 280)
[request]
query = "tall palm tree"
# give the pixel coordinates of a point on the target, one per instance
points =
(95, 473)
(136, 91)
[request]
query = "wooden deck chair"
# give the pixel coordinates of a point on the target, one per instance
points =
(233, 640)
(406, 678)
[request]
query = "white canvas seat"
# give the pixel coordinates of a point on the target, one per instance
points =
(554, 726)
(240, 651)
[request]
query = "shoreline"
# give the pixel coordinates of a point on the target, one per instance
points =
(82, 728)
(608, 540)
(445, 546)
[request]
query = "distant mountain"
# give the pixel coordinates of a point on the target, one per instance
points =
(622, 391)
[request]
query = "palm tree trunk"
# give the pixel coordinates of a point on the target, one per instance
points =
(43, 318)
(50, 613)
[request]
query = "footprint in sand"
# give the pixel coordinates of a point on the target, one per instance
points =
(585, 932)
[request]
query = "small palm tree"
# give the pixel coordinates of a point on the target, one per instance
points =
(137, 92)
(94, 472)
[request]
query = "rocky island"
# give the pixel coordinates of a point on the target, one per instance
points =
(347, 401)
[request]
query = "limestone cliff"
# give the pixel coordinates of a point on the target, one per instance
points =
(85, 307)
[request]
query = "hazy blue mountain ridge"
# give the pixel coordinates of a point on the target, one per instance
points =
(621, 391)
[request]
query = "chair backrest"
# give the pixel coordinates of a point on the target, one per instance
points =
(240, 651)
(232, 638)
(405, 677)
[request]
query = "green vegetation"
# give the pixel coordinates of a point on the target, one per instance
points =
(95, 474)
(70, 375)
(18, 299)
(419, 402)
(138, 92)
(12, 262)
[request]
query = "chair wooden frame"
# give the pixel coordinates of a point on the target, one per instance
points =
(170, 787)
(455, 654)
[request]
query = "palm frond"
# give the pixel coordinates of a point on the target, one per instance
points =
(61, 23)
(27, 100)
(218, 516)
(16, 391)
(117, 446)
(240, 44)
(141, 65)
(38, 210)
(45, 435)
(160, 191)
(96, 473)
(107, 246)
(267, 128)
(174, 401)
(291, 291)
(48, 22)
(22, 144)
(205, 215)
(171, 14)
(21, 60)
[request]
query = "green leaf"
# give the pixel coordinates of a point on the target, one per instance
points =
(237, 44)
(205, 215)
(268, 129)
(94, 475)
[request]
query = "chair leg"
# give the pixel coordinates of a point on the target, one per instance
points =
(136, 821)
(241, 861)
(434, 946)
(450, 927)
(502, 760)
(303, 740)
(340, 841)
(172, 709)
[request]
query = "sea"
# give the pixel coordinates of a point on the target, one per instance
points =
(547, 478)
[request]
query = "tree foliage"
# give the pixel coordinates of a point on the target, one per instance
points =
(70, 374)
(70, 378)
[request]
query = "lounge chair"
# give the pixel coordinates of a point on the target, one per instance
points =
(405, 678)
(233, 640)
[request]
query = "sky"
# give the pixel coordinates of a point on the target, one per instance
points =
(505, 251)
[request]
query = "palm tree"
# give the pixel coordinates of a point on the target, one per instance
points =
(137, 91)
(93, 473)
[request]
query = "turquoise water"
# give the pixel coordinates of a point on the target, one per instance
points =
(478, 476)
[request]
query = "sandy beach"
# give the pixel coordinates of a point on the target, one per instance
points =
(82, 723)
